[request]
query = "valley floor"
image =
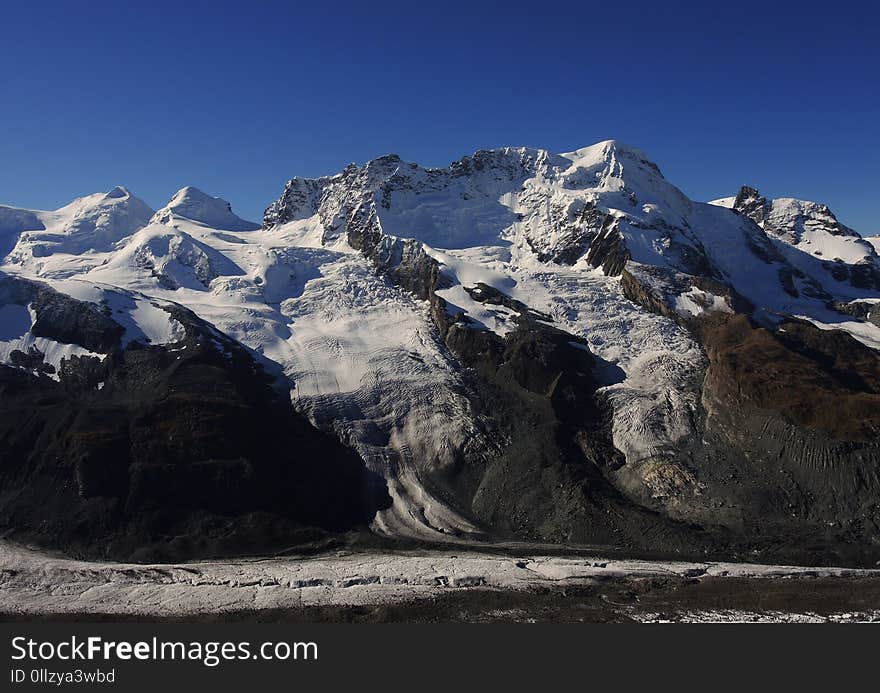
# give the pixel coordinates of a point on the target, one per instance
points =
(437, 585)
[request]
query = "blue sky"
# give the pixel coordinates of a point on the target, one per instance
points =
(237, 97)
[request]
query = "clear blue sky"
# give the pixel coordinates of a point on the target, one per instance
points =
(237, 97)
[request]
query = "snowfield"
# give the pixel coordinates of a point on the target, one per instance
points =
(33, 584)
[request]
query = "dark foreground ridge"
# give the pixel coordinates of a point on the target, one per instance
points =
(183, 451)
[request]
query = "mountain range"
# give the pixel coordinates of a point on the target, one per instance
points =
(522, 346)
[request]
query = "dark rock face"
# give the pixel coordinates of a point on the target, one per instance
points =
(752, 204)
(573, 232)
(609, 251)
(822, 380)
(794, 420)
(860, 309)
(655, 288)
(32, 360)
(168, 453)
(299, 199)
(862, 275)
(546, 479)
(61, 317)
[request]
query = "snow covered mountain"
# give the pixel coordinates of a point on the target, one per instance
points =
(192, 204)
(89, 224)
(548, 347)
(818, 245)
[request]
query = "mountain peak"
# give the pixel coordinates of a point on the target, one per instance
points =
(190, 192)
(608, 149)
(785, 215)
(748, 193)
(90, 223)
(195, 205)
(117, 193)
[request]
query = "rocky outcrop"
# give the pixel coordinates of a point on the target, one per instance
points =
(862, 275)
(177, 260)
(751, 203)
(60, 317)
(863, 310)
(787, 216)
(608, 250)
(573, 227)
(660, 290)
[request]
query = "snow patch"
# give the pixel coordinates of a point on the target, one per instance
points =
(696, 302)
